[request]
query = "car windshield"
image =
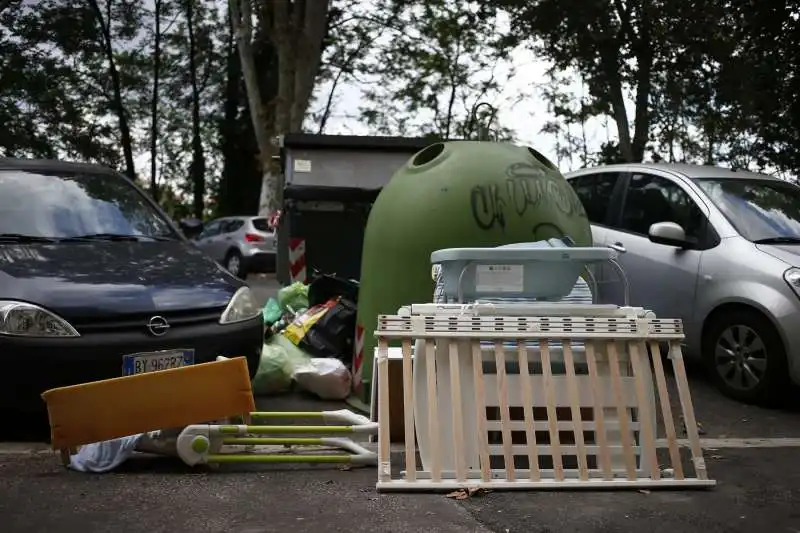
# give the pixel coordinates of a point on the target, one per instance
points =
(64, 205)
(761, 210)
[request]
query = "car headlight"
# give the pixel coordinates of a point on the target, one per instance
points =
(792, 277)
(28, 320)
(243, 306)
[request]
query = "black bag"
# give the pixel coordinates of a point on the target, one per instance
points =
(325, 286)
(334, 333)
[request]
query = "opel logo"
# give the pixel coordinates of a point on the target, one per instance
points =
(158, 326)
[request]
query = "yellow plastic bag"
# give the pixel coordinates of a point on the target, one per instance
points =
(304, 321)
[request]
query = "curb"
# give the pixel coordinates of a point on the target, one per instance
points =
(25, 448)
(397, 449)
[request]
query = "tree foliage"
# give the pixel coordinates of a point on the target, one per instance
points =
(710, 82)
(157, 89)
(433, 62)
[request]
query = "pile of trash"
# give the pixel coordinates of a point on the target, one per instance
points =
(310, 331)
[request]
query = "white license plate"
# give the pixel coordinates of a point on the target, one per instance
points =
(141, 363)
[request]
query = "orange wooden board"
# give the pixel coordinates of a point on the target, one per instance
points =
(118, 407)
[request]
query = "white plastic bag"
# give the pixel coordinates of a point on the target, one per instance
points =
(326, 377)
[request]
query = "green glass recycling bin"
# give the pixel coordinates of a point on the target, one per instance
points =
(451, 195)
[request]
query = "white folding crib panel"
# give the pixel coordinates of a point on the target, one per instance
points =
(532, 402)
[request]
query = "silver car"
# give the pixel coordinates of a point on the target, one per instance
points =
(242, 245)
(715, 247)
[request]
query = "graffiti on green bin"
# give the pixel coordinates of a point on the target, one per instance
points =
(526, 187)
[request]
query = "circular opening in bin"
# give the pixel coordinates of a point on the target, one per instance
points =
(542, 159)
(428, 154)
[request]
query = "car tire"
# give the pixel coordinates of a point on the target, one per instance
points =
(745, 357)
(234, 263)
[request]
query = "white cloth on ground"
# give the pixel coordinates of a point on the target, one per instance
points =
(107, 455)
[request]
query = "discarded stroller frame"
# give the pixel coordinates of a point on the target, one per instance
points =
(592, 425)
(114, 408)
(204, 443)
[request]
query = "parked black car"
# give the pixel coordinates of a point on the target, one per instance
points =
(97, 282)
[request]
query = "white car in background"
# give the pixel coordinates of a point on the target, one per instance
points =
(243, 245)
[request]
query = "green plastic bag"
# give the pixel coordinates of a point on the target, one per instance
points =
(293, 297)
(272, 312)
(279, 360)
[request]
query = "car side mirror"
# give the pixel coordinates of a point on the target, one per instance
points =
(191, 227)
(668, 233)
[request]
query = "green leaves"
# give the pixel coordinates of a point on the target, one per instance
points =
(431, 63)
(710, 81)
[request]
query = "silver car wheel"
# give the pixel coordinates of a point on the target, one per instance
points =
(234, 265)
(740, 357)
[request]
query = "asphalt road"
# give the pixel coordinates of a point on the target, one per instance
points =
(758, 490)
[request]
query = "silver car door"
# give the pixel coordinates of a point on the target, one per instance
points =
(223, 240)
(206, 239)
(662, 278)
(596, 192)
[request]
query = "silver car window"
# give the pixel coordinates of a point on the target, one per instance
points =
(651, 199)
(211, 229)
(595, 192)
(232, 225)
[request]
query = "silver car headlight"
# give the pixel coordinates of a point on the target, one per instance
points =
(792, 277)
(243, 306)
(28, 320)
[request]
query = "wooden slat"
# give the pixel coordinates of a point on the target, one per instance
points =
(480, 410)
(433, 409)
(611, 389)
(575, 410)
(552, 415)
(527, 409)
(384, 438)
(599, 416)
(513, 335)
(550, 325)
(622, 411)
(547, 484)
(638, 353)
(666, 411)
(408, 411)
(688, 410)
(502, 393)
(459, 449)
(498, 327)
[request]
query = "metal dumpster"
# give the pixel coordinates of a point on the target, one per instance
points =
(331, 182)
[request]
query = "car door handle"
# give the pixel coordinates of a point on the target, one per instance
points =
(228, 238)
(618, 247)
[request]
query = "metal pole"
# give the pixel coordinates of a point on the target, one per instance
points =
(483, 130)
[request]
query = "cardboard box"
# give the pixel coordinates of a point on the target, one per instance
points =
(397, 428)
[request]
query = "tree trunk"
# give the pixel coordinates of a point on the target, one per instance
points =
(297, 29)
(198, 167)
(231, 167)
(241, 20)
(311, 23)
(116, 85)
(154, 103)
(644, 65)
(610, 61)
(326, 113)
